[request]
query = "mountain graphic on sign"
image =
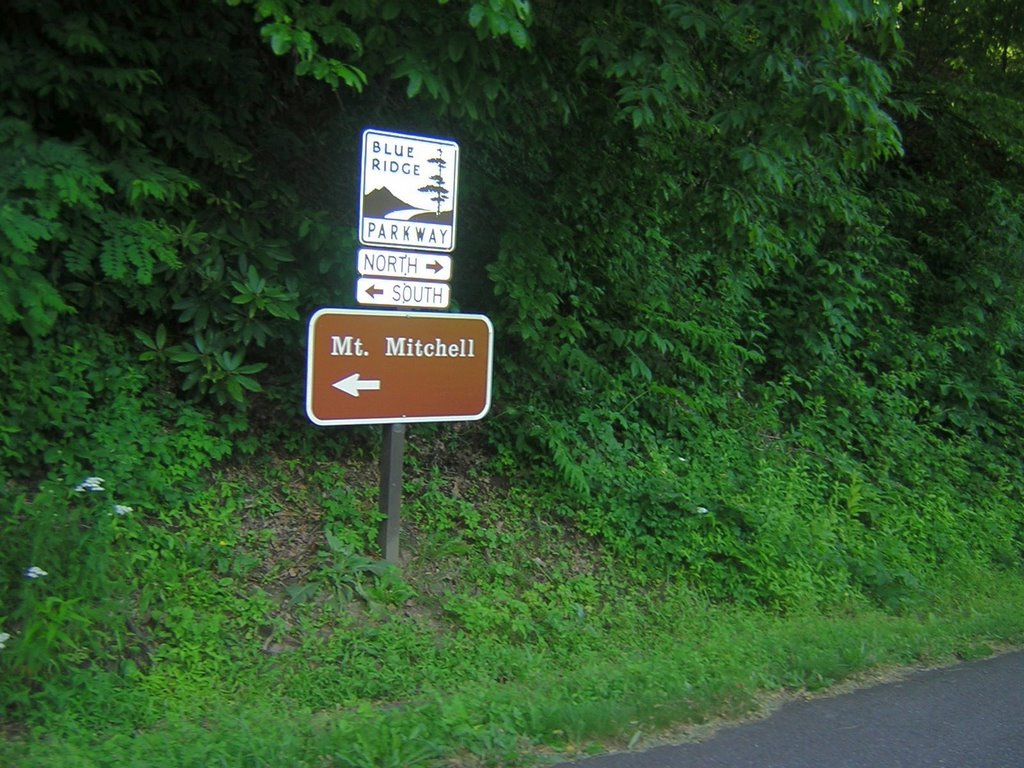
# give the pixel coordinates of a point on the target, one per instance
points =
(382, 201)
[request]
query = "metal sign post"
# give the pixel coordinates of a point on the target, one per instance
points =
(393, 368)
(391, 454)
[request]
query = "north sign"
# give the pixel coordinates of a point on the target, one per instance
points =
(371, 367)
(403, 265)
(407, 191)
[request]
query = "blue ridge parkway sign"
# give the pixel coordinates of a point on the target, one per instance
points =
(408, 194)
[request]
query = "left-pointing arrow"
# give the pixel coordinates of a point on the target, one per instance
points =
(352, 385)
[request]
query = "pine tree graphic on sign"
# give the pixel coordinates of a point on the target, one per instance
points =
(439, 193)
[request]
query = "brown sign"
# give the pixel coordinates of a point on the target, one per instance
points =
(368, 367)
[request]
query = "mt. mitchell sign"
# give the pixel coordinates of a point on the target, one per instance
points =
(408, 191)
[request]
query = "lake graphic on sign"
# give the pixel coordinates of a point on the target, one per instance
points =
(384, 204)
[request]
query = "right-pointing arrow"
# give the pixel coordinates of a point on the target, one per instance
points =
(352, 385)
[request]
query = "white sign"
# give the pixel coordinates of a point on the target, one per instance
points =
(399, 264)
(382, 292)
(408, 191)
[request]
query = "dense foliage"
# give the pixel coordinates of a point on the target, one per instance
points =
(755, 270)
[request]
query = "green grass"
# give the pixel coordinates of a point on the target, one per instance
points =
(261, 634)
(714, 662)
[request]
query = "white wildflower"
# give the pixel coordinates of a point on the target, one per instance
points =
(35, 572)
(91, 484)
(4, 637)
(702, 510)
(121, 510)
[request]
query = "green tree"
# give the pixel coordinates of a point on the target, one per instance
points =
(961, 182)
(686, 216)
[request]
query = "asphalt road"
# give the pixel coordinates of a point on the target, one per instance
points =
(967, 716)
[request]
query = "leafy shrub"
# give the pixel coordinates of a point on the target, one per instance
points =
(88, 458)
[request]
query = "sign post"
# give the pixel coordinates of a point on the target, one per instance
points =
(391, 454)
(397, 367)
